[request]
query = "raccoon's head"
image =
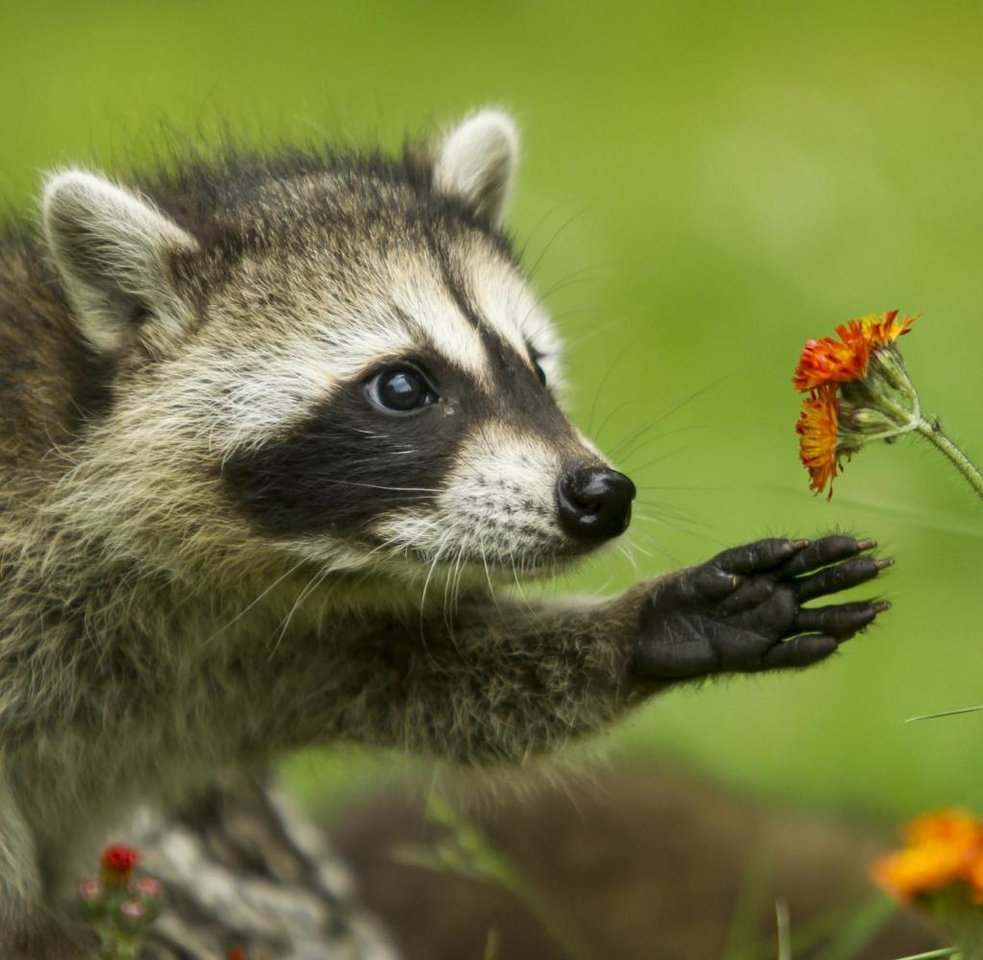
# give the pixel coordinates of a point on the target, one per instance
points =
(333, 357)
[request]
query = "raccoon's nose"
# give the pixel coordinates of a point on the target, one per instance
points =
(594, 504)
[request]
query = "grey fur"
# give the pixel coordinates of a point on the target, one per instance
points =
(152, 631)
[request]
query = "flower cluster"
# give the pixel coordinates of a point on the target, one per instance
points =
(118, 905)
(857, 391)
(943, 852)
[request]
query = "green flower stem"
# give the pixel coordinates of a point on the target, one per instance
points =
(933, 433)
(936, 954)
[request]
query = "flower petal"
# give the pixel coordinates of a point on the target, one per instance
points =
(817, 427)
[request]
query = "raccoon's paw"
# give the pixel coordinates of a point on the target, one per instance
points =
(742, 611)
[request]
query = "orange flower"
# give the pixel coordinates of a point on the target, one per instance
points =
(942, 848)
(887, 328)
(829, 360)
(817, 430)
(954, 828)
(975, 876)
(919, 870)
(858, 391)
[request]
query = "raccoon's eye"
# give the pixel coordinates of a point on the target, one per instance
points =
(540, 372)
(400, 390)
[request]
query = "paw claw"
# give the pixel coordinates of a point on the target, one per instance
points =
(884, 562)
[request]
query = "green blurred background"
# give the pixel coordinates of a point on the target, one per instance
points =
(703, 187)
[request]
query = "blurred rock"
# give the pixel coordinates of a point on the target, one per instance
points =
(242, 868)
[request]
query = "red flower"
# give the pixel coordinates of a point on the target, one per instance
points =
(118, 861)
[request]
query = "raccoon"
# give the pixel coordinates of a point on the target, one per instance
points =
(278, 431)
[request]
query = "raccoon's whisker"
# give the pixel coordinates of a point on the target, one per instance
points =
(646, 435)
(661, 459)
(681, 524)
(659, 488)
(619, 356)
(524, 250)
(675, 408)
(312, 585)
(643, 516)
(623, 549)
(430, 572)
(447, 588)
(664, 511)
(256, 600)
(379, 486)
(515, 577)
(599, 433)
(459, 564)
(656, 544)
(491, 586)
(556, 235)
(640, 549)
(580, 275)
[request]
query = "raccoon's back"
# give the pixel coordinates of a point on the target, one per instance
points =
(50, 381)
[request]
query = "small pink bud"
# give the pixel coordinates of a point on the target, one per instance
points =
(132, 910)
(90, 890)
(149, 887)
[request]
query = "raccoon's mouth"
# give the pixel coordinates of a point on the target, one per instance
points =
(491, 560)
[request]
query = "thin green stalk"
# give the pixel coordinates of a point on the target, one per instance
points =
(933, 433)
(935, 954)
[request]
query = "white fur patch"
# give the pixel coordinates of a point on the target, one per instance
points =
(476, 161)
(429, 306)
(506, 302)
(498, 507)
(110, 245)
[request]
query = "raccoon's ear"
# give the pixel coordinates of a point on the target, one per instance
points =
(476, 161)
(113, 250)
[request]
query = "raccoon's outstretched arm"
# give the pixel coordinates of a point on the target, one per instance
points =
(505, 680)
